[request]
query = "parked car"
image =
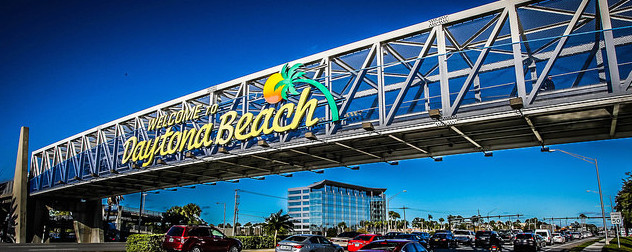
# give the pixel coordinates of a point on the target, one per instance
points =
(487, 239)
(558, 238)
(393, 246)
(464, 236)
(198, 239)
(424, 235)
(442, 240)
(359, 241)
(546, 234)
(528, 242)
(412, 237)
(307, 243)
(343, 239)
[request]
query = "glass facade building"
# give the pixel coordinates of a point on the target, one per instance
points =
(324, 204)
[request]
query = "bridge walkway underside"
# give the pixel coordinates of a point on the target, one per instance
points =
(494, 126)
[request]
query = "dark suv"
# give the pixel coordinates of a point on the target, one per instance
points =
(199, 239)
(487, 239)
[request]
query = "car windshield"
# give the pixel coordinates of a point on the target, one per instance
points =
(363, 237)
(523, 236)
(381, 246)
(296, 238)
(461, 232)
(483, 233)
(440, 235)
(542, 233)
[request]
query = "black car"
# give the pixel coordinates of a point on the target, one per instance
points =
(487, 239)
(442, 240)
(529, 242)
(412, 237)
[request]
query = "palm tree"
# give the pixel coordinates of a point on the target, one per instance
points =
(441, 220)
(278, 222)
(293, 75)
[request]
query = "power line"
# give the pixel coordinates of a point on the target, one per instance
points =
(262, 194)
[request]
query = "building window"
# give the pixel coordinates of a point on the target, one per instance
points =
(305, 208)
(294, 203)
(306, 197)
(295, 209)
(295, 215)
(294, 197)
(306, 191)
(294, 192)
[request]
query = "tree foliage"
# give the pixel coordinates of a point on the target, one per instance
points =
(624, 200)
(278, 223)
(185, 215)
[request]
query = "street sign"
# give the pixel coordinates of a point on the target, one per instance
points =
(616, 218)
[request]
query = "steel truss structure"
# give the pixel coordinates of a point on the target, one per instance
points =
(436, 88)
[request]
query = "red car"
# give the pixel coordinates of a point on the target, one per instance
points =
(199, 239)
(359, 241)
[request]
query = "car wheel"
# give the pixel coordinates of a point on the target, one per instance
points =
(196, 249)
(233, 249)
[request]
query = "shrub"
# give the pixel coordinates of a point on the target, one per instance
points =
(144, 243)
(256, 242)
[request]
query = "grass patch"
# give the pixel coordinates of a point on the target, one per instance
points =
(583, 245)
(626, 245)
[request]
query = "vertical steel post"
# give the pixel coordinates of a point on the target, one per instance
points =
(517, 51)
(380, 84)
(443, 71)
(613, 66)
(20, 186)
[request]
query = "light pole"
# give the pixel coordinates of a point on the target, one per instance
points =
(592, 161)
(224, 203)
(388, 205)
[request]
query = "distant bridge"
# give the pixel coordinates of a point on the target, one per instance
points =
(472, 81)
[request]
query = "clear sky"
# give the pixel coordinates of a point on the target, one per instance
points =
(68, 66)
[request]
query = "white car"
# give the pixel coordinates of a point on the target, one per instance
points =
(546, 234)
(464, 236)
(558, 238)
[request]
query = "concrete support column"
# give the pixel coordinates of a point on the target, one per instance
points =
(20, 186)
(88, 222)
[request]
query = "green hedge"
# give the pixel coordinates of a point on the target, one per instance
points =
(256, 242)
(144, 243)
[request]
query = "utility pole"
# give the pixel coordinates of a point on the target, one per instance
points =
(405, 224)
(236, 211)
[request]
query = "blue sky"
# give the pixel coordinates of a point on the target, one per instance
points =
(68, 66)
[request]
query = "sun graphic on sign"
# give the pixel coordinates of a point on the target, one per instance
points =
(279, 85)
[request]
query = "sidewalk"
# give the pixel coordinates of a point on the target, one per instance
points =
(596, 247)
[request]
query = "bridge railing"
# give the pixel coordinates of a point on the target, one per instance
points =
(458, 64)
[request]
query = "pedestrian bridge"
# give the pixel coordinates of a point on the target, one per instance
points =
(467, 82)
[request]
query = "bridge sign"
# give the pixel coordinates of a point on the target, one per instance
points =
(616, 218)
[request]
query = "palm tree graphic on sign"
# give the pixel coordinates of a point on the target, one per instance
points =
(280, 84)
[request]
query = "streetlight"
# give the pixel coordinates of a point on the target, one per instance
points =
(224, 203)
(388, 204)
(592, 161)
(142, 205)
